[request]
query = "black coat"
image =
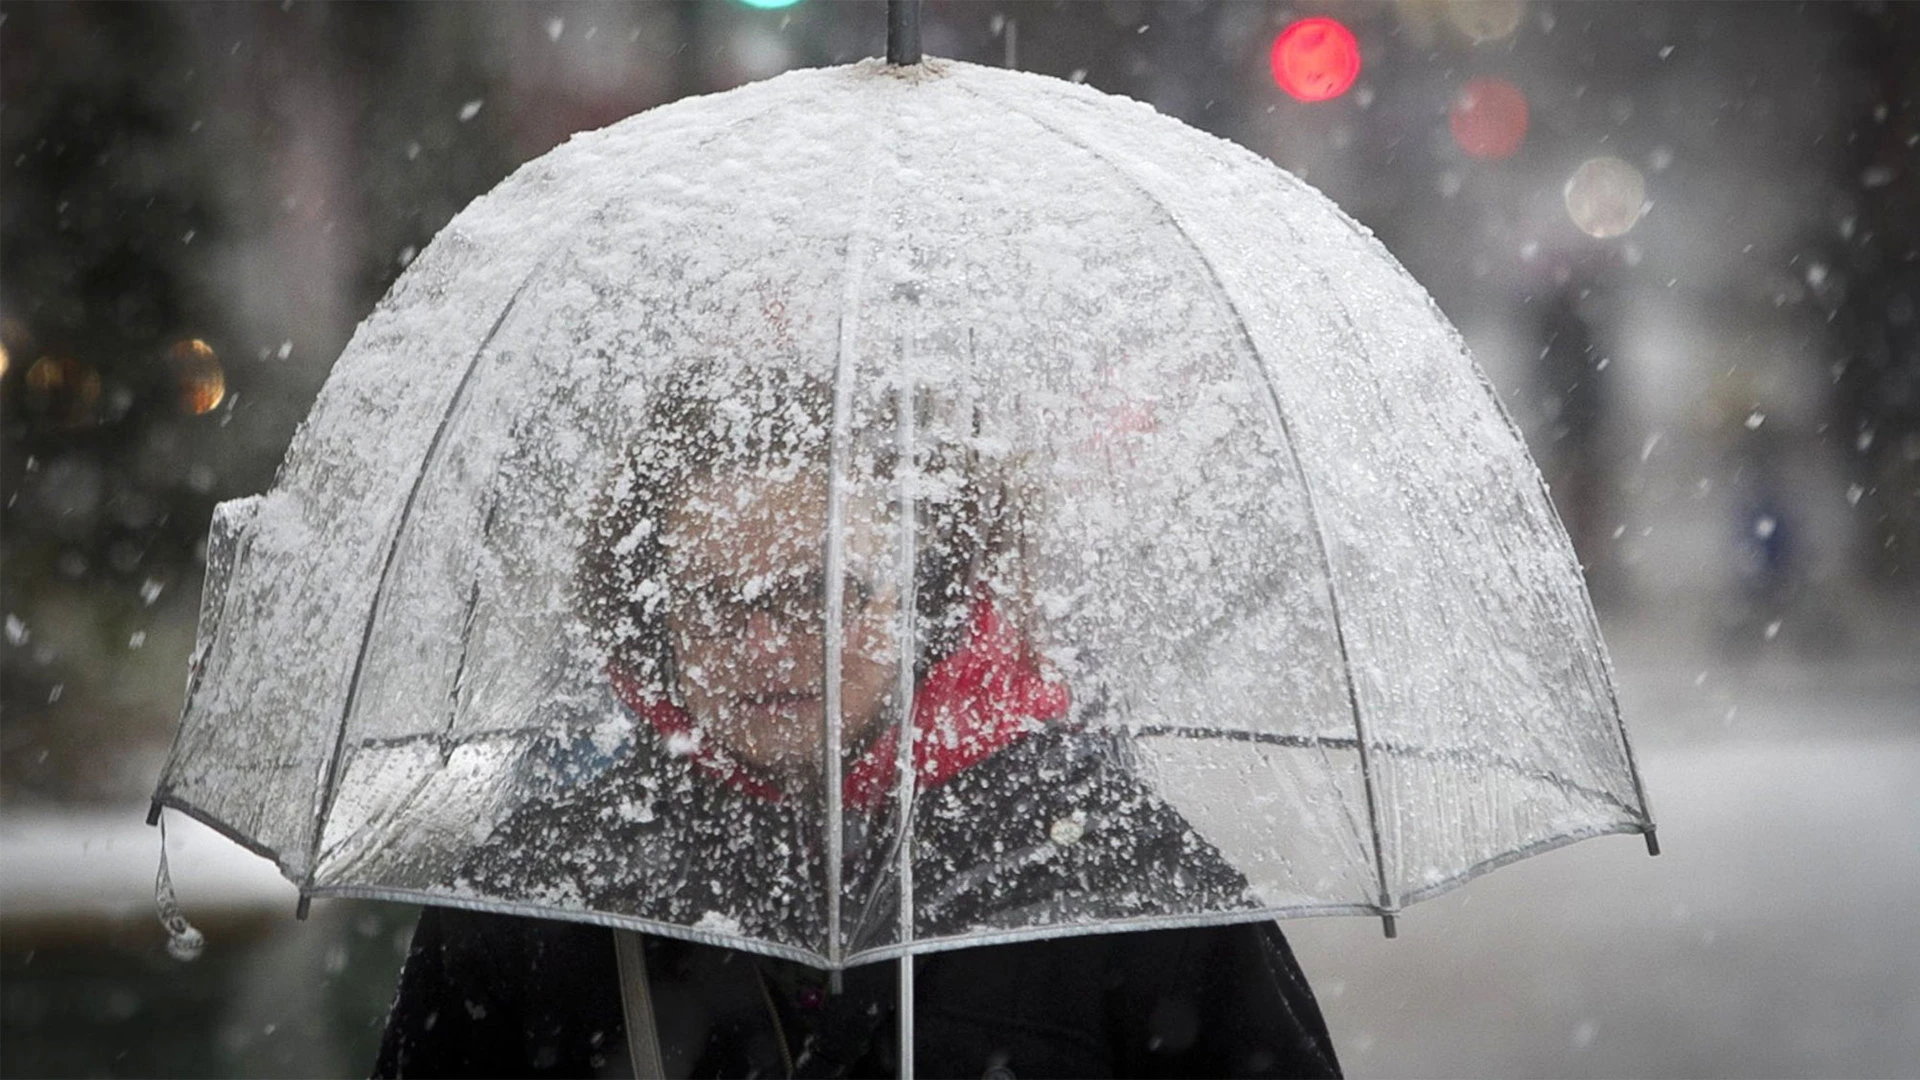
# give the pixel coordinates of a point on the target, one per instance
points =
(491, 994)
(500, 995)
(986, 854)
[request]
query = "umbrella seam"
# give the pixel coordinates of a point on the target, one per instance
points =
(1358, 342)
(1365, 237)
(1341, 742)
(1487, 389)
(325, 796)
(196, 672)
(859, 257)
(327, 791)
(1387, 902)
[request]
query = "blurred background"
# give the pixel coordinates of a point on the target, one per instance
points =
(1683, 240)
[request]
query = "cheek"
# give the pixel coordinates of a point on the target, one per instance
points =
(872, 642)
(869, 666)
(700, 677)
(875, 628)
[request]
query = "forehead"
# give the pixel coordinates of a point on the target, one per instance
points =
(739, 524)
(736, 522)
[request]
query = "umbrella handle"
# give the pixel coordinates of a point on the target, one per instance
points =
(636, 1002)
(905, 1069)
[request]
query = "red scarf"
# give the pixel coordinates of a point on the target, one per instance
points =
(986, 695)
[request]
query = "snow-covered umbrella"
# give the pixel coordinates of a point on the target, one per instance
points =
(1136, 531)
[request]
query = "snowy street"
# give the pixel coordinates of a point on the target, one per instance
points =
(1777, 935)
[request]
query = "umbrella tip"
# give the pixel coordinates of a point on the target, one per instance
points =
(306, 904)
(153, 812)
(903, 32)
(1653, 841)
(1389, 924)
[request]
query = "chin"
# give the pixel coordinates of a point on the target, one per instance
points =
(782, 754)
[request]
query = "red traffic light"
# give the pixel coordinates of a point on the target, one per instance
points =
(1315, 59)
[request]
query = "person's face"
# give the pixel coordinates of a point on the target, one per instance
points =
(745, 561)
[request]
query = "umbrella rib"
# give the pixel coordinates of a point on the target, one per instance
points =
(1434, 754)
(1592, 619)
(231, 832)
(223, 555)
(974, 938)
(460, 666)
(859, 256)
(466, 635)
(1388, 905)
(1586, 604)
(1513, 429)
(324, 797)
(906, 776)
(327, 790)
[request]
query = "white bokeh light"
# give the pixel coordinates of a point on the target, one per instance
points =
(1606, 197)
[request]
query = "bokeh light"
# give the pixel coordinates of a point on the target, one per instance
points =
(198, 379)
(63, 388)
(1605, 197)
(1488, 118)
(1486, 20)
(769, 5)
(1315, 59)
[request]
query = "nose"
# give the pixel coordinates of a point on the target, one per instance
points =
(768, 634)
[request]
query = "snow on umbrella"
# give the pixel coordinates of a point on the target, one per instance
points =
(1134, 484)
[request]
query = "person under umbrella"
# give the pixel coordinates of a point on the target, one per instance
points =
(1220, 591)
(705, 583)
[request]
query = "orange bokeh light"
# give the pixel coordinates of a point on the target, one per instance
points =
(1488, 118)
(199, 381)
(1315, 59)
(63, 388)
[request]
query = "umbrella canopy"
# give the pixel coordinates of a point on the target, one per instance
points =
(1135, 532)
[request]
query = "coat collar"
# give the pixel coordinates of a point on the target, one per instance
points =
(986, 695)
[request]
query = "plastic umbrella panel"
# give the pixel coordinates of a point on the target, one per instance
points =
(866, 512)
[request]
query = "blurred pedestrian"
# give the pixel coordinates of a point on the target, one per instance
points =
(1576, 400)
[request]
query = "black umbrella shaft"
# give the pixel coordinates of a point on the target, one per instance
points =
(903, 32)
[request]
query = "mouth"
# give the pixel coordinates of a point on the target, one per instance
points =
(779, 700)
(775, 729)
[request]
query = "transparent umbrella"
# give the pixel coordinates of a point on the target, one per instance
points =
(888, 509)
